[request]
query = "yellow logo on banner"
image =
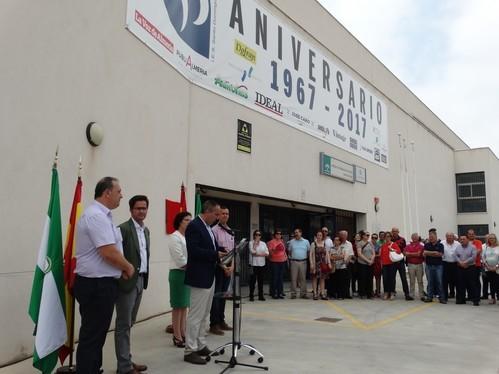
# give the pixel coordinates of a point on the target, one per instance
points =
(244, 51)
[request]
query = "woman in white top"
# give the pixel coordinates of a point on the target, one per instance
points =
(179, 293)
(490, 259)
(257, 252)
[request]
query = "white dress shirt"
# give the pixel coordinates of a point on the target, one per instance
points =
(95, 229)
(449, 251)
(142, 246)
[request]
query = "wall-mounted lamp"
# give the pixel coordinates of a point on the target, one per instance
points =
(95, 134)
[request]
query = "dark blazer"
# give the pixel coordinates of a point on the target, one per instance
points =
(202, 256)
(131, 251)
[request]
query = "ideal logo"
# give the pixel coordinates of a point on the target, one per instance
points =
(192, 21)
(268, 103)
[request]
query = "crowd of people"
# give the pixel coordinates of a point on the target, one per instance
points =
(460, 268)
(112, 271)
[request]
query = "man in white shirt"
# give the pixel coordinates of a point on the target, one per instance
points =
(450, 265)
(136, 246)
(99, 265)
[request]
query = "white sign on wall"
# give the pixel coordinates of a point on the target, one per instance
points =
(240, 50)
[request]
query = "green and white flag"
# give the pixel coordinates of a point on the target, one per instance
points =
(46, 307)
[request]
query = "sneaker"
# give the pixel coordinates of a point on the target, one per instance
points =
(428, 300)
(409, 298)
(442, 301)
(194, 358)
(261, 298)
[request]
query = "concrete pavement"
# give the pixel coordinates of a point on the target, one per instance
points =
(372, 336)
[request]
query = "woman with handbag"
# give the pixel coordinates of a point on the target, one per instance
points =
(320, 265)
(389, 252)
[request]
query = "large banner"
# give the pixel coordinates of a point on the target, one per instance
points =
(240, 50)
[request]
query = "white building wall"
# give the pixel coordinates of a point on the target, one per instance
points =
(75, 63)
(481, 159)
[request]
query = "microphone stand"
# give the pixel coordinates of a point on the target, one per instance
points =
(236, 343)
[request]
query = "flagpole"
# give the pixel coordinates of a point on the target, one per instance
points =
(71, 368)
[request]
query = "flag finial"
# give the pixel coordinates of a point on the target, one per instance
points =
(56, 158)
(80, 166)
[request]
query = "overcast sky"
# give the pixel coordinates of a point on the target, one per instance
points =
(445, 51)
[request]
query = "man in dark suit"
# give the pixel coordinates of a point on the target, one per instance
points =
(136, 244)
(202, 258)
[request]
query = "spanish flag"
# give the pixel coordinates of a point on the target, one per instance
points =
(69, 267)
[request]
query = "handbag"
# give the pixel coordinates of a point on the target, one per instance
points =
(325, 268)
(395, 257)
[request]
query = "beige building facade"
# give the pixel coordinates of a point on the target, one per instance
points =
(67, 64)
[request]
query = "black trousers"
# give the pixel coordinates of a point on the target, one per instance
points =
(389, 273)
(485, 285)
(353, 276)
(478, 284)
(365, 280)
(493, 281)
(257, 275)
(96, 297)
(340, 284)
(400, 267)
(217, 311)
(449, 279)
(466, 281)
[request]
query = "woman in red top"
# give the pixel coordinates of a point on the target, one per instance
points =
(278, 260)
(389, 270)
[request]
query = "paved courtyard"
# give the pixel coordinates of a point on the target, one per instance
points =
(354, 336)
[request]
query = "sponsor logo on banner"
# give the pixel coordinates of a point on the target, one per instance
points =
(323, 129)
(155, 33)
(353, 143)
(192, 21)
(241, 90)
(268, 103)
(244, 51)
(190, 64)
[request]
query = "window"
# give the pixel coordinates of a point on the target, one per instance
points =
(471, 195)
(480, 230)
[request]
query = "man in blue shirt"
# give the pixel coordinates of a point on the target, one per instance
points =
(298, 254)
(433, 252)
(465, 278)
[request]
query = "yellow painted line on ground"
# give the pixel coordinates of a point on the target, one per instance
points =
(345, 313)
(398, 317)
(365, 326)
